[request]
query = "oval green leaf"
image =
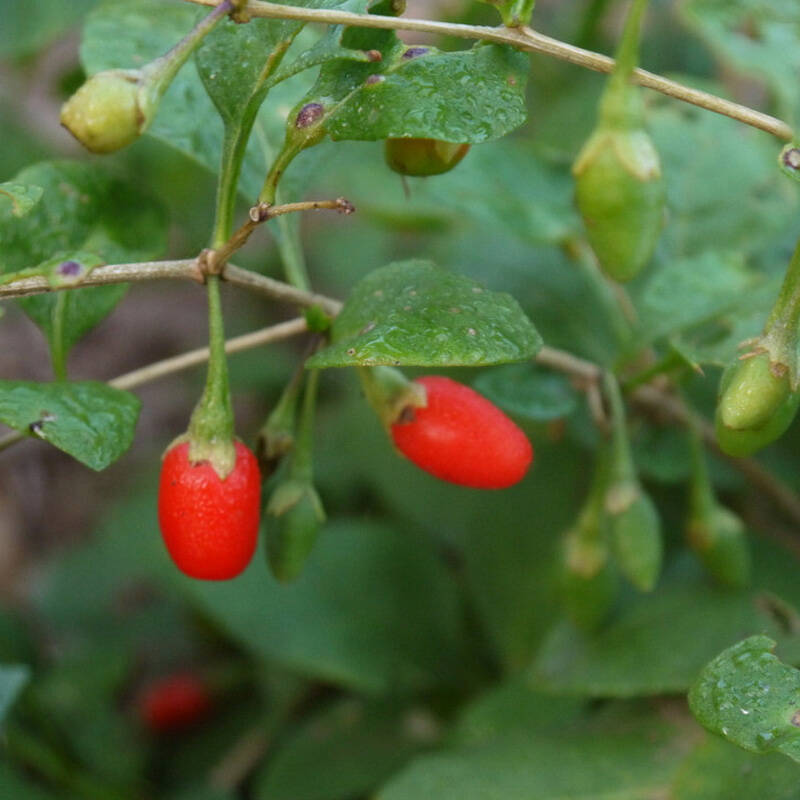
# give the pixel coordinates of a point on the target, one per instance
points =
(91, 421)
(413, 313)
(747, 695)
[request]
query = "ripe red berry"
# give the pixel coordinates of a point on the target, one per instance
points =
(461, 437)
(174, 702)
(209, 525)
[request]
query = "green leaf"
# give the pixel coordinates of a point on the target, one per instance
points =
(479, 94)
(23, 197)
(406, 637)
(757, 37)
(345, 751)
(611, 757)
(91, 421)
(513, 12)
(749, 697)
(657, 645)
(686, 292)
(85, 214)
(719, 771)
(231, 62)
(739, 209)
(14, 784)
(12, 681)
(82, 208)
(412, 312)
(513, 708)
(529, 391)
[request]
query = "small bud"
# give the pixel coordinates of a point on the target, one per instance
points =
(620, 195)
(588, 580)
(754, 390)
(423, 157)
(720, 541)
(790, 161)
(746, 441)
(755, 407)
(308, 115)
(109, 111)
(414, 52)
(635, 533)
(292, 523)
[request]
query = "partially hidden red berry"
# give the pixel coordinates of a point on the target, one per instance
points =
(209, 525)
(461, 437)
(174, 702)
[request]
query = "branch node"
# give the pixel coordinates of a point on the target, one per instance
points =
(344, 206)
(260, 212)
(209, 263)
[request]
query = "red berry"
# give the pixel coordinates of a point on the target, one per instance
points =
(459, 436)
(209, 525)
(177, 701)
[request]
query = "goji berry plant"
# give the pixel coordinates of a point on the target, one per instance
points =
(348, 266)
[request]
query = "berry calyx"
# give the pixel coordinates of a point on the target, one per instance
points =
(209, 524)
(174, 702)
(461, 437)
(423, 157)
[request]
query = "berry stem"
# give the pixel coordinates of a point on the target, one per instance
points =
(622, 467)
(211, 427)
(159, 73)
(302, 456)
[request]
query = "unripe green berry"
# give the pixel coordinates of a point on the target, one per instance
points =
(109, 111)
(589, 585)
(423, 157)
(752, 393)
(292, 522)
(635, 532)
(620, 195)
(720, 541)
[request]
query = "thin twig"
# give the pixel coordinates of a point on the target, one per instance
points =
(672, 407)
(278, 290)
(530, 41)
(110, 273)
(585, 371)
(191, 358)
(215, 260)
(186, 269)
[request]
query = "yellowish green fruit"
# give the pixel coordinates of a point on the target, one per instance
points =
(109, 111)
(423, 157)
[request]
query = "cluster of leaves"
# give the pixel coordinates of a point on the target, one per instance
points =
(423, 652)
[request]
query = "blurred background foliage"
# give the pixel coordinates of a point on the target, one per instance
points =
(423, 653)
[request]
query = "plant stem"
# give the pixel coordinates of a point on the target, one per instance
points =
(212, 419)
(530, 41)
(57, 352)
(163, 69)
(302, 453)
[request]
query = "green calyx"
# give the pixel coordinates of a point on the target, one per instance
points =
(390, 393)
(211, 427)
(114, 107)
